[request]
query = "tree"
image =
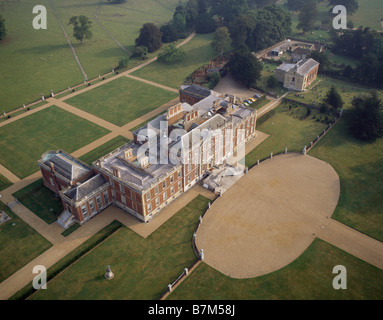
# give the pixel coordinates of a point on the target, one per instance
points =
(140, 52)
(150, 37)
(307, 16)
(241, 31)
(123, 63)
(272, 82)
(81, 27)
(205, 23)
(221, 41)
(365, 118)
(245, 67)
(3, 31)
(351, 5)
(322, 58)
(295, 5)
(273, 24)
(171, 54)
(334, 99)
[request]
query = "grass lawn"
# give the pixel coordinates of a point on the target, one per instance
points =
(316, 95)
(19, 244)
(71, 257)
(307, 278)
(104, 149)
(41, 201)
(198, 53)
(31, 59)
(286, 128)
(360, 168)
(122, 100)
(143, 267)
(4, 183)
(24, 141)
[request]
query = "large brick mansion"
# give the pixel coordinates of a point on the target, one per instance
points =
(164, 159)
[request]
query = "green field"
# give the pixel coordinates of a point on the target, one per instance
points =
(307, 278)
(360, 168)
(41, 201)
(33, 59)
(4, 183)
(19, 244)
(122, 100)
(143, 267)
(104, 149)
(287, 128)
(25, 140)
(198, 53)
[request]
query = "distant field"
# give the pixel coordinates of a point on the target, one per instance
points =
(122, 100)
(307, 278)
(4, 183)
(24, 141)
(198, 53)
(360, 168)
(36, 61)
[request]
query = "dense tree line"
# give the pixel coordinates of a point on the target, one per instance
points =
(366, 45)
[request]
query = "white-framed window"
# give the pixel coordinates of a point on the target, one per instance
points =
(148, 196)
(179, 184)
(51, 181)
(171, 179)
(113, 194)
(123, 200)
(122, 189)
(149, 207)
(165, 196)
(179, 174)
(172, 190)
(92, 207)
(164, 184)
(112, 182)
(99, 201)
(84, 210)
(156, 190)
(157, 202)
(106, 197)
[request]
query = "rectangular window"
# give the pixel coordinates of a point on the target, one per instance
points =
(92, 207)
(156, 190)
(157, 202)
(52, 182)
(148, 196)
(164, 184)
(112, 182)
(123, 200)
(122, 189)
(179, 174)
(106, 197)
(164, 196)
(99, 201)
(179, 185)
(149, 207)
(84, 210)
(172, 190)
(113, 194)
(172, 179)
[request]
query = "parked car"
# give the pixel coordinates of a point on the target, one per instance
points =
(257, 96)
